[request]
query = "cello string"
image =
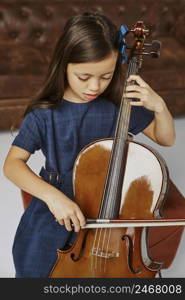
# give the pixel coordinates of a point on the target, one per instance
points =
(124, 119)
(104, 239)
(104, 248)
(125, 114)
(92, 250)
(125, 109)
(101, 247)
(99, 258)
(105, 260)
(106, 192)
(96, 249)
(122, 133)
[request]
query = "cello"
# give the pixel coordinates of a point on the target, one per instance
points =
(120, 186)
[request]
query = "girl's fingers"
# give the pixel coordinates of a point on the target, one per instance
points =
(136, 103)
(61, 222)
(81, 218)
(134, 88)
(76, 224)
(138, 79)
(133, 95)
(67, 224)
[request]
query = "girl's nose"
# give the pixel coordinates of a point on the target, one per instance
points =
(94, 85)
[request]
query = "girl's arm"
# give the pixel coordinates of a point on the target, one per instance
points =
(63, 209)
(161, 129)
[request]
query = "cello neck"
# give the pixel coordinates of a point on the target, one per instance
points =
(113, 186)
(122, 126)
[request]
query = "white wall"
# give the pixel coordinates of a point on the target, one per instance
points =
(11, 206)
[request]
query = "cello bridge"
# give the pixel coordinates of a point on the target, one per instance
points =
(104, 254)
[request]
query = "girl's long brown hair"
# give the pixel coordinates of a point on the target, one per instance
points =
(87, 37)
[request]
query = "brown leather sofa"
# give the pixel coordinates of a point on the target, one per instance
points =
(29, 30)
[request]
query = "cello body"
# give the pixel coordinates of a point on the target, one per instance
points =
(114, 252)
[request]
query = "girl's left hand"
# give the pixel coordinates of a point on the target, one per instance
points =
(142, 91)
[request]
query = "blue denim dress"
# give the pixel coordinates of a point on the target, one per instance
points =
(60, 133)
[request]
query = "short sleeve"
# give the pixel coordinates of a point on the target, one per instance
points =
(140, 118)
(30, 133)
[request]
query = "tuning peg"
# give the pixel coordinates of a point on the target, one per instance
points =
(147, 44)
(156, 46)
(155, 51)
(146, 53)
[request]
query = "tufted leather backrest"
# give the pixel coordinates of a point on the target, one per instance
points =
(29, 30)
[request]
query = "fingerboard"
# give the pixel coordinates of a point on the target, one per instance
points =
(111, 200)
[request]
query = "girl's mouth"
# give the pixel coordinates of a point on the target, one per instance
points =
(90, 96)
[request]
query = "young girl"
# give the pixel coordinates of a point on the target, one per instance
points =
(76, 106)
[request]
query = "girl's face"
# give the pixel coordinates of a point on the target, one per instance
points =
(86, 81)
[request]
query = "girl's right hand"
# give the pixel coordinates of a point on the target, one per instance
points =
(67, 212)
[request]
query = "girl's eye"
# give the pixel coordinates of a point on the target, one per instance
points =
(107, 78)
(83, 79)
